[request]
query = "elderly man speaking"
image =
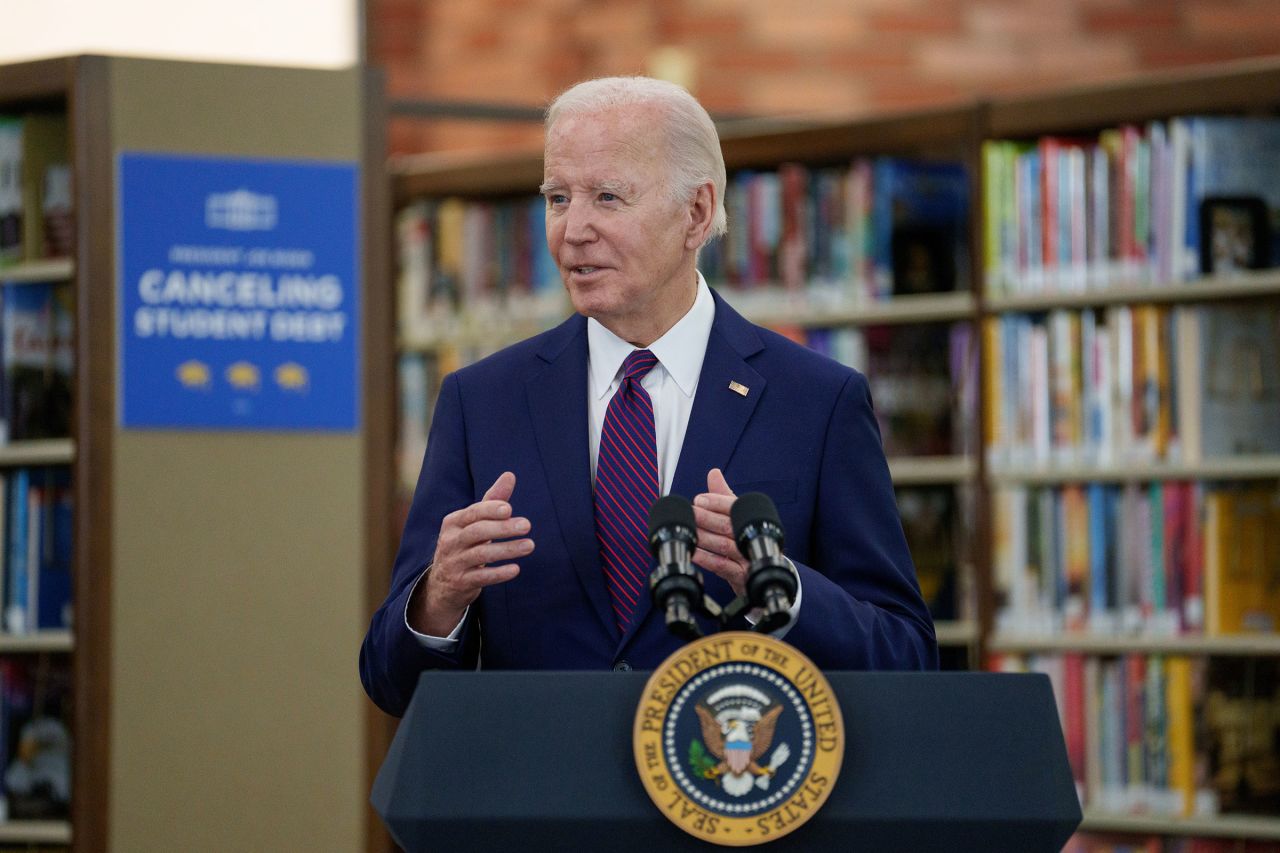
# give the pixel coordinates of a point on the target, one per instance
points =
(525, 544)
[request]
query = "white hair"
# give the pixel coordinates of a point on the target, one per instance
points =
(693, 146)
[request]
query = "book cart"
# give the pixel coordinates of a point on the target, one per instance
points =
(458, 296)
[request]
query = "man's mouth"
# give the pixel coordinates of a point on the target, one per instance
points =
(584, 270)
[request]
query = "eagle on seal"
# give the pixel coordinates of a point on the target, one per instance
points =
(739, 747)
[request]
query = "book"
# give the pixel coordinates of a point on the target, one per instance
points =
(12, 227)
(1110, 559)
(909, 372)
(17, 569)
(1236, 381)
(1242, 560)
(416, 394)
(46, 190)
(924, 207)
(51, 605)
(37, 332)
(1180, 734)
(931, 522)
(1238, 734)
(35, 700)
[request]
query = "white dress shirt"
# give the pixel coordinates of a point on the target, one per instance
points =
(671, 385)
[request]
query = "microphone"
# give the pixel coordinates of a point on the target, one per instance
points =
(771, 584)
(675, 586)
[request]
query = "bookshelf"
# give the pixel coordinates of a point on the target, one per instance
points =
(192, 644)
(1239, 88)
(1150, 659)
(60, 87)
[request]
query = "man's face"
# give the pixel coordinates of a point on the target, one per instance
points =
(621, 244)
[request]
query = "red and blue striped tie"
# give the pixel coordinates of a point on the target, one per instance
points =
(626, 486)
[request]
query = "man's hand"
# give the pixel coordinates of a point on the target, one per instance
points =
(465, 553)
(716, 551)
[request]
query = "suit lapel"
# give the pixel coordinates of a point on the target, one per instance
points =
(719, 415)
(557, 397)
(719, 412)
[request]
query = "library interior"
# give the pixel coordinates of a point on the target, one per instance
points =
(1046, 231)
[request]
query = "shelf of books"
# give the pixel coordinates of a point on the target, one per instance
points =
(1131, 371)
(37, 451)
(860, 252)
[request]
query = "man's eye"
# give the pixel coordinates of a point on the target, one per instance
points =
(608, 197)
(557, 198)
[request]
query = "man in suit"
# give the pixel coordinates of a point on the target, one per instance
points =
(524, 547)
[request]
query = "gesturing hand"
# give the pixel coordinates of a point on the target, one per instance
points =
(473, 551)
(716, 551)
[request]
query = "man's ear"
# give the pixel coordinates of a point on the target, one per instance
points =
(702, 211)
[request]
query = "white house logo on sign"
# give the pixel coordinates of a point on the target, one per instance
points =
(241, 210)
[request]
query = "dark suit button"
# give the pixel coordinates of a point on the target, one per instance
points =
(622, 666)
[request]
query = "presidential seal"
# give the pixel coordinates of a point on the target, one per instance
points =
(738, 738)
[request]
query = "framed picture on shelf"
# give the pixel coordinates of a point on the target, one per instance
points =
(1234, 234)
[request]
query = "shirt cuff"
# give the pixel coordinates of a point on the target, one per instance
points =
(436, 644)
(753, 615)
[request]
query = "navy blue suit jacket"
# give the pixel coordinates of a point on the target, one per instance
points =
(804, 434)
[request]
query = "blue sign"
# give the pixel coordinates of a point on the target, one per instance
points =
(239, 293)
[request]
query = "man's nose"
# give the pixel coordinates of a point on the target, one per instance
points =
(579, 225)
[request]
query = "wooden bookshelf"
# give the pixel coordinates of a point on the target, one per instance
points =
(65, 86)
(1250, 88)
(156, 595)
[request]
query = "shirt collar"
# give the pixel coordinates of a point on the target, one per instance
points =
(680, 351)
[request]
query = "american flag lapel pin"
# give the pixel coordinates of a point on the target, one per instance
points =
(738, 388)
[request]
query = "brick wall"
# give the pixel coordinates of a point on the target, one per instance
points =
(834, 58)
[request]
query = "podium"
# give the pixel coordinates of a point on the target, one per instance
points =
(544, 761)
